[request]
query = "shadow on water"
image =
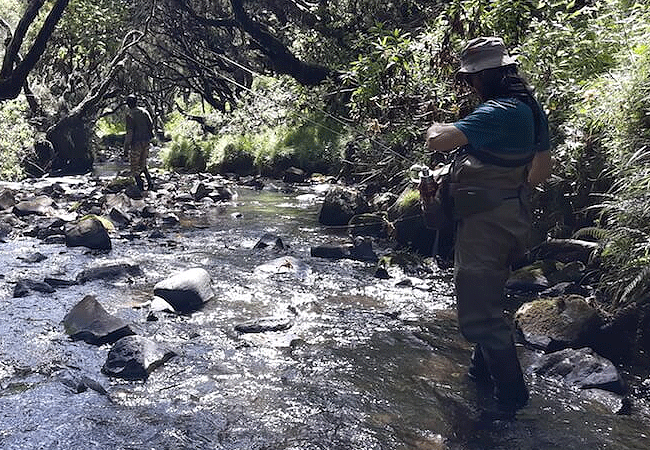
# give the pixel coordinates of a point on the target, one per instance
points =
(366, 364)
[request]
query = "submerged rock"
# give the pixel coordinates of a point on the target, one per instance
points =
(581, 368)
(135, 357)
(109, 270)
(265, 325)
(23, 287)
(90, 322)
(186, 291)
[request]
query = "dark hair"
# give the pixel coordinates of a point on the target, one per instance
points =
(505, 82)
(131, 101)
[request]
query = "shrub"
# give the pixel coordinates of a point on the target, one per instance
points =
(16, 138)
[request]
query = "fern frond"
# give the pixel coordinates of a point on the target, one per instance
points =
(592, 232)
(636, 288)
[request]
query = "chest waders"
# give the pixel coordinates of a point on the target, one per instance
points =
(493, 227)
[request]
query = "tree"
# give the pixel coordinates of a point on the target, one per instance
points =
(14, 71)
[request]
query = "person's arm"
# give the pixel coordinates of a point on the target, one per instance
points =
(443, 137)
(540, 168)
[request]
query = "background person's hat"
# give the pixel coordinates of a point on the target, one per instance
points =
(484, 53)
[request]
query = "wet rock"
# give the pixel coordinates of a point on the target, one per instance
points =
(90, 322)
(265, 325)
(410, 229)
(528, 279)
(367, 225)
(7, 199)
(186, 291)
(79, 382)
(565, 288)
(565, 250)
(33, 258)
(119, 216)
(294, 175)
(90, 233)
(41, 205)
(199, 191)
(23, 287)
(225, 194)
(134, 358)
(556, 323)
(611, 402)
(360, 250)
(340, 205)
(109, 270)
(56, 282)
(50, 227)
(269, 240)
(581, 368)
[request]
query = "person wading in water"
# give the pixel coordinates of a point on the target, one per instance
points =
(139, 132)
(504, 150)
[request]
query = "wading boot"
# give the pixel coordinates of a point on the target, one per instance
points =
(510, 391)
(139, 182)
(150, 185)
(478, 370)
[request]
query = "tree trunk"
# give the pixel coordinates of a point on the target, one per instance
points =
(70, 138)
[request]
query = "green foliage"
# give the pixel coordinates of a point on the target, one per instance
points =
(16, 137)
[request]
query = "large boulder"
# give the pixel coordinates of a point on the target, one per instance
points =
(41, 205)
(134, 358)
(340, 205)
(90, 322)
(7, 199)
(186, 291)
(581, 368)
(410, 228)
(89, 232)
(555, 323)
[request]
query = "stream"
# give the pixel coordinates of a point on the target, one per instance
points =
(367, 364)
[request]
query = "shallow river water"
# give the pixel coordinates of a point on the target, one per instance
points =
(367, 364)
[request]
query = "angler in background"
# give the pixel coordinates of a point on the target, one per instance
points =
(504, 150)
(139, 132)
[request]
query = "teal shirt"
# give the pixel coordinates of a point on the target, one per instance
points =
(504, 129)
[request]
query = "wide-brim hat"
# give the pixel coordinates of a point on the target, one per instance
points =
(484, 53)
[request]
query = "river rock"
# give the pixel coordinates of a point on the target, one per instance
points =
(565, 250)
(340, 205)
(90, 322)
(264, 325)
(7, 199)
(199, 191)
(269, 240)
(109, 270)
(294, 175)
(225, 194)
(612, 403)
(41, 205)
(89, 232)
(186, 291)
(23, 287)
(33, 258)
(581, 368)
(555, 323)
(360, 250)
(134, 358)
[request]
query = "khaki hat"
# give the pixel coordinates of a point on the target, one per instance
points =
(484, 53)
